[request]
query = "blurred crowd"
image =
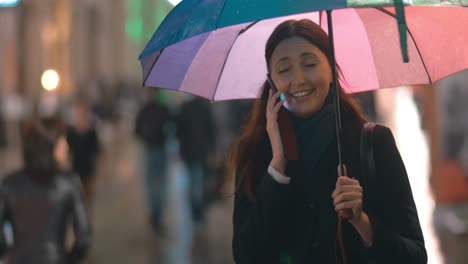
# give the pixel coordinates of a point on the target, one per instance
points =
(61, 142)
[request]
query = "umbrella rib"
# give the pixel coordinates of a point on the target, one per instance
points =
(247, 28)
(227, 56)
(152, 66)
(414, 41)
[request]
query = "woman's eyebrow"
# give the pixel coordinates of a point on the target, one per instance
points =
(306, 54)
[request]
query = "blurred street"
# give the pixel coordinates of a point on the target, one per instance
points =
(121, 229)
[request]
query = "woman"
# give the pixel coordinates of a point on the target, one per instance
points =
(286, 211)
(39, 201)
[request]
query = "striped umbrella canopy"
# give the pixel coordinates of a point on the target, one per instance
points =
(215, 48)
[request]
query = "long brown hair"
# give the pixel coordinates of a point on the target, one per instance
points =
(252, 152)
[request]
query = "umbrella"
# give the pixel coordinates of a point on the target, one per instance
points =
(210, 49)
(227, 63)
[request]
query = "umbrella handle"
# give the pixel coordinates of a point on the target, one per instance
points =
(346, 214)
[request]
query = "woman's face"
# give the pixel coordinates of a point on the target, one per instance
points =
(301, 72)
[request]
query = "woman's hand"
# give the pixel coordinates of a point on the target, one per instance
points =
(348, 195)
(273, 106)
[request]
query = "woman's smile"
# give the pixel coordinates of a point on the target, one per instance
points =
(304, 93)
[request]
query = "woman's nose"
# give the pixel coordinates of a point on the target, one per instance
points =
(298, 77)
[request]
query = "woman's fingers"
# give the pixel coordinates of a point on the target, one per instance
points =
(348, 205)
(345, 189)
(278, 106)
(347, 197)
(345, 170)
(272, 100)
(344, 180)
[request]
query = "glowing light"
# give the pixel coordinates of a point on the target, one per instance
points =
(9, 2)
(50, 80)
(174, 2)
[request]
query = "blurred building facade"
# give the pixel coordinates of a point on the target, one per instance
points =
(90, 43)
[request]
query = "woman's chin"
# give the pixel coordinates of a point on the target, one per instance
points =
(303, 110)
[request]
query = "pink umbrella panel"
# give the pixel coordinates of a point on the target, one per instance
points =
(229, 63)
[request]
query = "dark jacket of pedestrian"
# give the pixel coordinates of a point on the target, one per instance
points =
(84, 149)
(196, 130)
(39, 214)
(40, 201)
(150, 123)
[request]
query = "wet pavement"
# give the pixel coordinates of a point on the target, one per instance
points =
(122, 232)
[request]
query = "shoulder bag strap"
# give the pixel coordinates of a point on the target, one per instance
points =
(367, 159)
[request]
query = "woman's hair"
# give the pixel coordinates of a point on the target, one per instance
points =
(251, 153)
(38, 138)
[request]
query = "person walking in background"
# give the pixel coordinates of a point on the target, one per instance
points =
(368, 102)
(196, 134)
(40, 200)
(83, 146)
(444, 112)
(150, 128)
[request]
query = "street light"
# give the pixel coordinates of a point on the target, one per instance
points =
(50, 80)
(5, 3)
(173, 2)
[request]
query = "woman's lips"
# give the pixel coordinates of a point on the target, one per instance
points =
(303, 95)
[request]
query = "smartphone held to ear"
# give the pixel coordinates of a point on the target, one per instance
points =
(286, 128)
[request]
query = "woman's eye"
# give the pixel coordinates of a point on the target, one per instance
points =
(311, 65)
(283, 70)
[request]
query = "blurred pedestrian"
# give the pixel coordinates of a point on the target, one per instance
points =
(368, 102)
(197, 137)
(151, 129)
(444, 112)
(40, 200)
(84, 148)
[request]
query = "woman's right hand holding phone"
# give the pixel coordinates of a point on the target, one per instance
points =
(278, 161)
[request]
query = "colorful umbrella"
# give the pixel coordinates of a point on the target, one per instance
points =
(214, 48)
(210, 49)
(201, 50)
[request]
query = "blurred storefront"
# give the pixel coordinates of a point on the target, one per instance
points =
(87, 42)
(93, 45)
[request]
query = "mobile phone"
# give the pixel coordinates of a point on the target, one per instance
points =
(272, 84)
(288, 137)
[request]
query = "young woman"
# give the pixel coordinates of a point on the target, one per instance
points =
(287, 211)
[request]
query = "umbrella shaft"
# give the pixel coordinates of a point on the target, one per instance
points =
(334, 86)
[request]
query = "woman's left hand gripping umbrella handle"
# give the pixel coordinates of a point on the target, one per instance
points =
(347, 213)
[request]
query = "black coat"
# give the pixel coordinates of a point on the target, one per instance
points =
(299, 218)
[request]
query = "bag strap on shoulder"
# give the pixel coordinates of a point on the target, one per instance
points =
(367, 158)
